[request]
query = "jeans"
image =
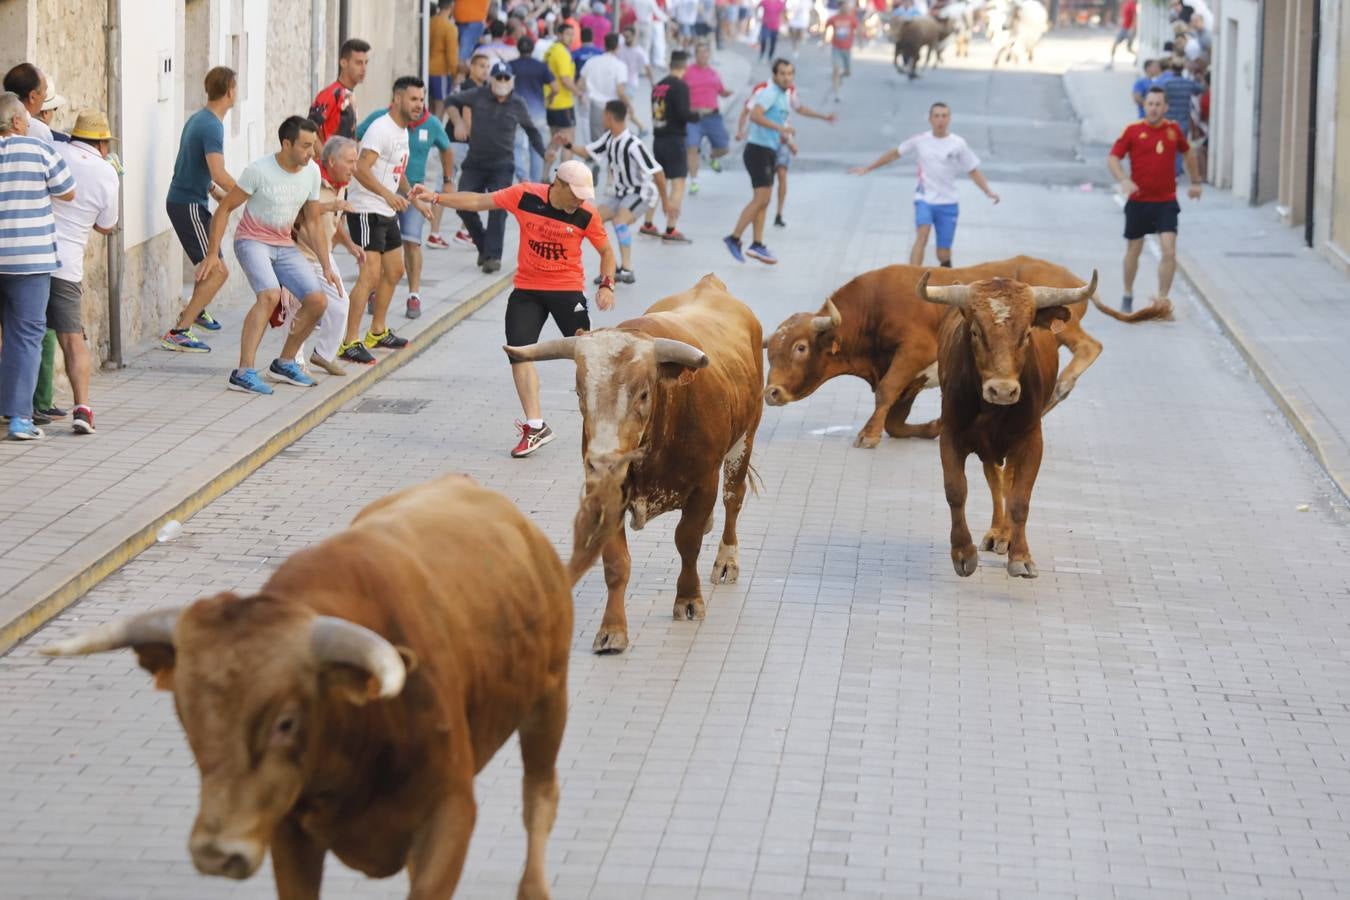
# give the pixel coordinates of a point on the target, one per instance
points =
(478, 178)
(23, 316)
(469, 33)
(529, 165)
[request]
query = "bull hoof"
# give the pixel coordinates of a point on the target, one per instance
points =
(866, 441)
(610, 639)
(727, 566)
(995, 541)
(965, 560)
(1022, 568)
(690, 608)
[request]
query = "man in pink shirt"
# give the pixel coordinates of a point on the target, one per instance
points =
(598, 23)
(769, 25)
(705, 89)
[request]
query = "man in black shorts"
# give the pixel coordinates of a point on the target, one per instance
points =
(670, 115)
(554, 220)
(1152, 145)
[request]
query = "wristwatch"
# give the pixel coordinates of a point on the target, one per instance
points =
(606, 282)
(567, 146)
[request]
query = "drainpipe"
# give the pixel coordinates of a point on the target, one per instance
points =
(424, 14)
(116, 243)
(1310, 198)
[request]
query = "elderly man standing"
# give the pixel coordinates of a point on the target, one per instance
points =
(31, 174)
(490, 163)
(30, 85)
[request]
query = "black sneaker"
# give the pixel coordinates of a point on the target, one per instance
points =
(625, 275)
(778, 222)
(385, 340)
(531, 440)
(41, 418)
(492, 265)
(1127, 303)
(356, 352)
(54, 412)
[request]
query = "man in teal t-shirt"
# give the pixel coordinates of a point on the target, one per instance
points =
(425, 132)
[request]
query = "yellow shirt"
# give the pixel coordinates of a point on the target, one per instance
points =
(444, 41)
(559, 62)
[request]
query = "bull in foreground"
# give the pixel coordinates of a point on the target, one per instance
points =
(877, 328)
(347, 705)
(669, 401)
(997, 362)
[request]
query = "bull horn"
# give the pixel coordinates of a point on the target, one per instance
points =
(559, 348)
(1048, 296)
(669, 351)
(828, 322)
(334, 640)
(948, 295)
(154, 627)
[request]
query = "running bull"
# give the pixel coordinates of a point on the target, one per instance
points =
(997, 361)
(669, 401)
(347, 705)
(877, 328)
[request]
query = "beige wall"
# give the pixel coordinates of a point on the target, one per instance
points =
(1340, 181)
(393, 30)
(288, 65)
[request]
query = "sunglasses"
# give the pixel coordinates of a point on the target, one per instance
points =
(503, 77)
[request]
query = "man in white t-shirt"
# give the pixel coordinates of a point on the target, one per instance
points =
(94, 207)
(377, 194)
(605, 78)
(943, 157)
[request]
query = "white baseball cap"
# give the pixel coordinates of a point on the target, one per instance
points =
(576, 176)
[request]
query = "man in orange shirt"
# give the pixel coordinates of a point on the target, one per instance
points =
(550, 280)
(470, 19)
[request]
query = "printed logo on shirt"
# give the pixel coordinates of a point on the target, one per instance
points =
(550, 250)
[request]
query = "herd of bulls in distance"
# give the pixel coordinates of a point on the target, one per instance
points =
(348, 704)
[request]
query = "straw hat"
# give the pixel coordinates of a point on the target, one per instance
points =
(92, 125)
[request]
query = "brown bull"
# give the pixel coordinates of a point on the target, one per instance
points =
(876, 328)
(348, 704)
(669, 402)
(913, 36)
(997, 361)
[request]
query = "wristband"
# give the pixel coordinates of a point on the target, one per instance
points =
(567, 146)
(606, 282)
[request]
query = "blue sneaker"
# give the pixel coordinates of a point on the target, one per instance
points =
(247, 380)
(288, 371)
(21, 429)
(207, 321)
(734, 248)
(761, 253)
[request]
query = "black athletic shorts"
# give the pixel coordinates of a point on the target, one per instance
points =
(672, 155)
(1145, 217)
(760, 163)
(561, 118)
(527, 311)
(375, 233)
(192, 223)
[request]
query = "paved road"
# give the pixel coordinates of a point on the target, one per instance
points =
(1162, 714)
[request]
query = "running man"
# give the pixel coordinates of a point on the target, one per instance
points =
(842, 28)
(671, 116)
(334, 108)
(634, 180)
(1129, 14)
(274, 191)
(942, 157)
(787, 148)
(554, 219)
(560, 95)
(705, 89)
(1152, 146)
(199, 175)
(769, 129)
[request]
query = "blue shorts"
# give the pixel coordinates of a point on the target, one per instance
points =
(269, 268)
(439, 86)
(842, 60)
(410, 225)
(711, 127)
(942, 216)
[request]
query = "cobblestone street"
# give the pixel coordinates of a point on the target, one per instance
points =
(1165, 712)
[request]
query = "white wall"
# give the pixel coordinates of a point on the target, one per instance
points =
(151, 107)
(1235, 76)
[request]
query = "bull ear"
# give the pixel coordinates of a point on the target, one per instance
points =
(158, 660)
(1047, 317)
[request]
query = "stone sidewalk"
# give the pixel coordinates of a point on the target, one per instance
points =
(1281, 303)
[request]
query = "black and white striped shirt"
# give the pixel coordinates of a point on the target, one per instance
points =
(632, 169)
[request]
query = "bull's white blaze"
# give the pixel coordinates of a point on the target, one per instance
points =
(1001, 311)
(599, 351)
(930, 376)
(730, 464)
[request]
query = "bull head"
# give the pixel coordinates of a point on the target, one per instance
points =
(248, 676)
(621, 379)
(800, 354)
(1000, 314)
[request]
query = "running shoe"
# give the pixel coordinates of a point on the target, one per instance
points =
(530, 439)
(693, 187)
(734, 248)
(715, 164)
(247, 380)
(288, 371)
(414, 307)
(356, 352)
(21, 429)
(184, 342)
(649, 230)
(436, 242)
(386, 340)
(492, 265)
(53, 412)
(625, 275)
(83, 422)
(463, 239)
(778, 222)
(41, 418)
(761, 253)
(207, 321)
(672, 236)
(1127, 303)
(328, 365)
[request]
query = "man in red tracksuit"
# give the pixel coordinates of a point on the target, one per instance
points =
(334, 108)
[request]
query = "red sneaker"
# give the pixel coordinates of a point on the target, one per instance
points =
(436, 242)
(531, 440)
(649, 230)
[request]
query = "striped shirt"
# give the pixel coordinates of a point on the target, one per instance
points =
(31, 173)
(631, 168)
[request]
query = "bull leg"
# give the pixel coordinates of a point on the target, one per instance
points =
(965, 558)
(613, 634)
(297, 862)
(436, 859)
(735, 470)
(906, 366)
(540, 737)
(688, 540)
(1085, 349)
(999, 478)
(1022, 466)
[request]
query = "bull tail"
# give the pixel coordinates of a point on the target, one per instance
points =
(753, 479)
(1160, 308)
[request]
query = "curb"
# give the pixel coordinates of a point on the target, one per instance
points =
(69, 590)
(1304, 425)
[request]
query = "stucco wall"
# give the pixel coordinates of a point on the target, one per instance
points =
(288, 65)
